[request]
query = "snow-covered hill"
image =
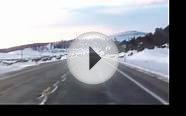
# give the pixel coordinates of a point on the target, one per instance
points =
(127, 36)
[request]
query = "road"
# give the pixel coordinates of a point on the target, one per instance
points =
(52, 83)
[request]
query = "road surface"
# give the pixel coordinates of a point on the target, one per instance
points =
(52, 83)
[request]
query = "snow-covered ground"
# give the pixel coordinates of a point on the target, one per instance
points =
(11, 61)
(29, 53)
(20, 65)
(15, 67)
(151, 60)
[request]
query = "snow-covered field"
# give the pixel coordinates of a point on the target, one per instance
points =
(29, 53)
(151, 60)
(15, 67)
(12, 61)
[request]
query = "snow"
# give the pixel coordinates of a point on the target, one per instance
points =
(29, 53)
(15, 67)
(11, 61)
(128, 35)
(20, 65)
(152, 60)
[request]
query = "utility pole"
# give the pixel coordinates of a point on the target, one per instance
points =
(124, 58)
(124, 49)
(21, 54)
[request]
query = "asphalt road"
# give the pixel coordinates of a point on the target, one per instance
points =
(52, 83)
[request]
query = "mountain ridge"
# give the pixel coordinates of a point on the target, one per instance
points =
(120, 39)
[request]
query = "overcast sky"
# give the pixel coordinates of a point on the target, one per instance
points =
(31, 21)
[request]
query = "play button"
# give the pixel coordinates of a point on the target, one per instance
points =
(91, 58)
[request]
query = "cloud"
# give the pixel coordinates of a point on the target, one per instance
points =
(131, 5)
(113, 7)
(22, 13)
(75, 4)
(27, 14)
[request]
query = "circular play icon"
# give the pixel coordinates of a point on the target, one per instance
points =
(92, 58)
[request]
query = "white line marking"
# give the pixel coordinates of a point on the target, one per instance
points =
(56, 83)
(41, 96)
(63, 76)
(63, 79)
(44, 100)
(53, 90)
(141, 86)
(50, 90)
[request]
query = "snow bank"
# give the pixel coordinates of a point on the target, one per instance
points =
(11, 61)
(29, 53)
(15, 67)
(154, 60)
(20, 65)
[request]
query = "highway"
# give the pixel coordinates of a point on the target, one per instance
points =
(52, 83)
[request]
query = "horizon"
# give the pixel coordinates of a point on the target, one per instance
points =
(27, 22)
(75, 38)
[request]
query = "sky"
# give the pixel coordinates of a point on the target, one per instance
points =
(33, 21)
